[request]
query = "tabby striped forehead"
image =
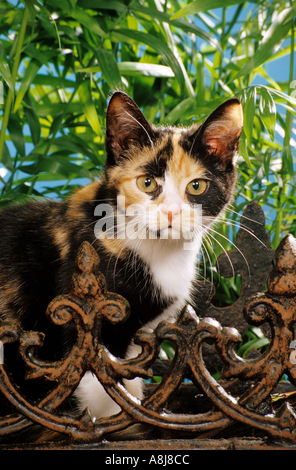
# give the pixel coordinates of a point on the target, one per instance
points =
(165, 158)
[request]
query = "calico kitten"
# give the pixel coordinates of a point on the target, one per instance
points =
(160, 191)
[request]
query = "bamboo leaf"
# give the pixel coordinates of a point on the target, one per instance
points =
(16, 134)
(36, 54)
(249, 112)
(158, 45)
(29, 75)
(74, 145)
(103, 5)
(53, 165)
(84, 92)
(32, 119)
(148, 70)
(200, 6)
(6, 158)
(267, 110)
(80, 15)
(283, 96)
(270, 43)
(243, 149)
(5, 73)
(109, 68)
(180, 110)
(178, 23)
(51, 109)
(49, 80)
(288, 162)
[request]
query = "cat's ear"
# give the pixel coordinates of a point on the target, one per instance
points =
(221, 131)
(125, 127)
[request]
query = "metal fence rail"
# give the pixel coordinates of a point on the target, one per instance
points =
(241, 411)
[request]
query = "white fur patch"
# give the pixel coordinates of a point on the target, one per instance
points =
(92, 395)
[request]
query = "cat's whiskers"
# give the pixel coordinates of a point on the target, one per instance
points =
(243, 227)
(242, 216)
(226, 253)
(205, 250)
(235, 246)
(209, 241)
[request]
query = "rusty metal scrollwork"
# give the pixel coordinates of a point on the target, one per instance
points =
(89, 304)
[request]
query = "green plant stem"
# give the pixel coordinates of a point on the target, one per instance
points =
(222, 40)
(15, 67)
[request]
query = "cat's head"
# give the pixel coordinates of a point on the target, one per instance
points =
(174, 175)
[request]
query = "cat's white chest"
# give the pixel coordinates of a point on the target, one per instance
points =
(171, 267)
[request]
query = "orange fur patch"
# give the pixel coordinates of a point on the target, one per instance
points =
(88, 193)
(61, 240)
(184, 169)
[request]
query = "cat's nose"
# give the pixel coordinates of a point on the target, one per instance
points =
(171, 215)
(171, 207)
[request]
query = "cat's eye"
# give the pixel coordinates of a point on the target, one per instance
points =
(197, 187)
(146, 184)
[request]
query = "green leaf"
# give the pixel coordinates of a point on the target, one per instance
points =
(257, 343)
(86, 20)
(16, 134)
(290, 98)
(270, 43)
(267, 110)
(29, 75)
(74, 145)
(168, 348)
(49, 80)
(288, 162)
(5, 73)
(32, 120)
(84, 92)
(201, 6)
(36, 54)
(180, 111)
(109, 68)
(179, 23)
(249, 112)
(54, 164)
(51, 109)
(103, 5)
(148, 70)
(158, 45)
(30, 5)
(6, 158)
(243, 150)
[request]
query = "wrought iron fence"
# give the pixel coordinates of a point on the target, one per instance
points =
(249, 407)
